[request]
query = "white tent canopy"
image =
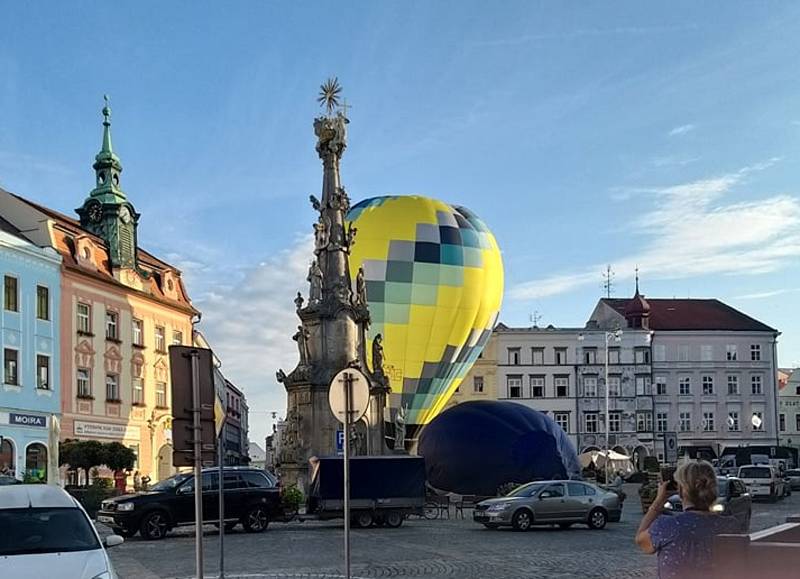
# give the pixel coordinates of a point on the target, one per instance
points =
(616, 461)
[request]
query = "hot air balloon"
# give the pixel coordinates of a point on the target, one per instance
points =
(434, 285)
(476, 447)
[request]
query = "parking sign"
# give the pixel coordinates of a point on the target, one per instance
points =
(340, 442)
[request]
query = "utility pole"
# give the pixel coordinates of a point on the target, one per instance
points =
(608, 280)
(198, 462)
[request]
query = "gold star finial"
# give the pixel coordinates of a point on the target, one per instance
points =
(329, 93)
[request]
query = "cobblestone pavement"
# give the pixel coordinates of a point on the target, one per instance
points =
(431, 549)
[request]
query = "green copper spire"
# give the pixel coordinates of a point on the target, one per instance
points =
(106, 151)
(107, 166)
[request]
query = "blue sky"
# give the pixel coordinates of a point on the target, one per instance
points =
(617, 132)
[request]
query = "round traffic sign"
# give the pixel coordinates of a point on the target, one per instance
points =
(359, 395)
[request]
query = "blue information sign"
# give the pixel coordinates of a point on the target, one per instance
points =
(339, 442)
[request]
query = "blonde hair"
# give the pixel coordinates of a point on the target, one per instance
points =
(698, 483)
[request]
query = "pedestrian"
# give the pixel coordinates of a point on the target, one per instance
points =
(137, 481)
(684, 540)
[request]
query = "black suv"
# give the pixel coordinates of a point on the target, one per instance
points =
(251, 498)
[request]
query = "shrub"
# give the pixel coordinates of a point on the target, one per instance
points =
(291, 498)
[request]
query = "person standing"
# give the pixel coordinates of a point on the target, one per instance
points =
(683, 541)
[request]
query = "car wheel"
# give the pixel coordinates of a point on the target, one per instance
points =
(431, 511)
(522, 520)
(155, 525)
(363, 519)
(393, 519)
(597, 519)
(565, 525)
(256, 520)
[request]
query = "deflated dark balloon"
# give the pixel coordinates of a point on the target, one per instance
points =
(476, 447)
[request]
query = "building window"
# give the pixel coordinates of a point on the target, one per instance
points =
(758, 421)
(614, 422)
(177, 338)
(644, 422)
(733, 385)
(613, 385)
(7, 454)
(591, 422)
(514, 387)
(135, 449)
(513, 356)
(733, 421)
(11, 360)
(661, 421)
(685, 421)
(160, 339)
(685, 386)
(755, 352)
(138, 392)
(683, 353)
(730, 352)
(84, 378)
(613, 355)
(643, 385)
(11, 294)
(562, 419)
(477, 384)
(782, 422)
(161, 394)
(138, 332)
(757, 385)
(112, 387)
(706, 353)
(590, 355)
(111, 325)
(537, 356)
(36, 462)
(660, 353)
(589, 386)
(708, 422)
(42, 302)
(537, 386)
(797, 422)
(562, 386)
(84, 318)
(661, 386)
(43, 372)
(642, 356)
(708, 385)
(561, 356)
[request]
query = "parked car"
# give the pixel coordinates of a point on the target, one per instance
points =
(47, 533)
(763, 480)
(9, 480)
(793, 476)
(251, 498)
(732, 499)
(564, 503)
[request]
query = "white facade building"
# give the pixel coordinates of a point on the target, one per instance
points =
(789, 411)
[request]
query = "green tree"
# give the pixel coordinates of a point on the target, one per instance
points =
(82, 454)
(117, 456)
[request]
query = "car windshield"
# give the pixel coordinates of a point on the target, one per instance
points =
(722, 488)
(525, 490)
(754, 472)
(33, 531)
(171, 482)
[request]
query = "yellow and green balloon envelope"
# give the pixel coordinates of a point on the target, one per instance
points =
(434, 281)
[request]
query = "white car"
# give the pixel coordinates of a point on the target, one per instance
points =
(763, 480)
(46, 533)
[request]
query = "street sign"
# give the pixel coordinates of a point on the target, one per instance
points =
(180, 365)
(359, 395)
(671, 447)
(339, 442)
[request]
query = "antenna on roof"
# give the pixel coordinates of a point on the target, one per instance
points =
(535, 317)
(608, 280)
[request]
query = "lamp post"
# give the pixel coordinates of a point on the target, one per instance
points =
(616, 335)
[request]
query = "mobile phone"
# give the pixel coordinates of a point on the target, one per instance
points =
(668, 476)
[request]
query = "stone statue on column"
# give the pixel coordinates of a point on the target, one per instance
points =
(400, 428)
(315, 278)
(361, 288)
(301, 337)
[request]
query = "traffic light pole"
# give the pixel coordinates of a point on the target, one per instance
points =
(198, 463)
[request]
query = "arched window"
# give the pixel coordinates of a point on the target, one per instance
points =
(36, 462)
(7, 457)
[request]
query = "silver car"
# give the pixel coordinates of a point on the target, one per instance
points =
(562, 503)
(793, 477)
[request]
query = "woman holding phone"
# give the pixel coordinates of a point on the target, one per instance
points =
(683, 541)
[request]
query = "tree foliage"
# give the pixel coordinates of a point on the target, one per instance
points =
(87, 455)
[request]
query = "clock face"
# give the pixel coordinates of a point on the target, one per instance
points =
(95, 212)
(125, 215)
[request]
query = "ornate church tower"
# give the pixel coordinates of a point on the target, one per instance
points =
(332, 331)
(107, 212)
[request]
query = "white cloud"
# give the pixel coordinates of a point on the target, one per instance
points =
(691, 231)
(768, 294)
(249, 323)
(681, 130)
(584, 32)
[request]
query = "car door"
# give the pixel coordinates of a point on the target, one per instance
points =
(210, 496)
(577, 505)
(182, 503)
(234, 495)
(551, 504)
